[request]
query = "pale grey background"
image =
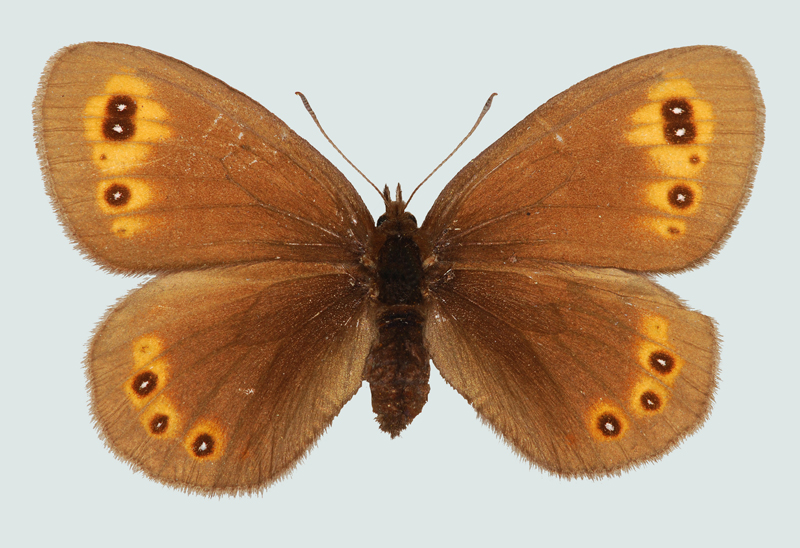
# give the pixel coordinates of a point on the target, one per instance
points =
(397, 87)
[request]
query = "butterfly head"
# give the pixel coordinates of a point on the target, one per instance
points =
(396, 220)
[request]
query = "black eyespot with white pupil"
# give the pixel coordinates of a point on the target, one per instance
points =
(650, 401)
(144, 383)
(203, 445)
(121, 106)
(661, 362)
(680, 196)
(118, 124)
(159, 424)
(609, 425)
(679, 127)
(117, 195)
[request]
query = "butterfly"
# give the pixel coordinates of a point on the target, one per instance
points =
(276, 294)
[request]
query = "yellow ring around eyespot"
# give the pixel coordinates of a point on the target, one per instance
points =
(206, 427)
(161, 370)
(146, 109)
(646, 349)
(657, 194)
(140, 195)
(161, 406)
(648, 384)
(596, 412)
(652, 113)
(145, 131)
(653, 134)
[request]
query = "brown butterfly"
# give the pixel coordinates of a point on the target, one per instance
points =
(276, 294)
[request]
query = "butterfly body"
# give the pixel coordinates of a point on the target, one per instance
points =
(397, 367)
(276, 295)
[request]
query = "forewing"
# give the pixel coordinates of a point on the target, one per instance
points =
(583, 371)
(642, 167)
(154, 165)
(218, 381)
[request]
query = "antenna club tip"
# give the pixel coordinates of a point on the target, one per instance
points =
(307, 106)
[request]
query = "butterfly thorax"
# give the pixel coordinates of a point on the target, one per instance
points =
(398, 369)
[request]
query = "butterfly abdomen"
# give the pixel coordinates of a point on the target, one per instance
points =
(398, 369)
(397, 366)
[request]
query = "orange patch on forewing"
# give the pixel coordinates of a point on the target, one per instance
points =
(650, 134)
(606, 422)
(704, 132)
(146, 109)
(128, 85)
(147, 125)
(665, 227)
(150, 132)
(118, 158)
(659, 361)
(205, 441)
(703, 112)
(651, 129)
(139, 194)
(648, 397)
(674, 87)
(685, 161)
(146, 349)
(160, 419)
(653, 134)
(146, 131)
(648, 115)
(143, 385)
(654, 327)
(661, 195)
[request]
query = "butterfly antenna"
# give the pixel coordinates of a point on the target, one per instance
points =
(316, 121)
(464, 140)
